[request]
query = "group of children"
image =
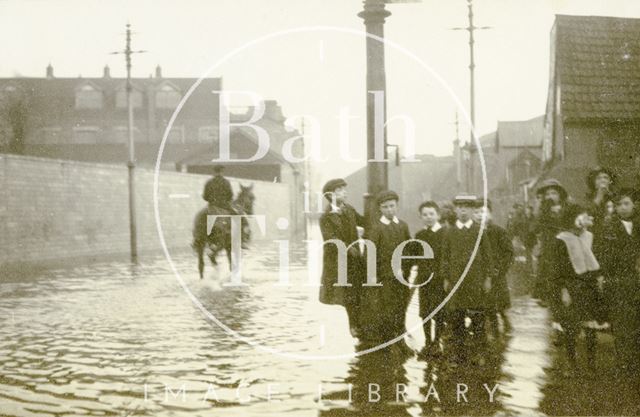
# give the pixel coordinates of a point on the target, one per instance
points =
(460, 277)
(588, 266)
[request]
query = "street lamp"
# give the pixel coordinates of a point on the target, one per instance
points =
(374, 15)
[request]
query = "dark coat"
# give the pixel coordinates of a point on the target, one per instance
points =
(218, 191)
(457, 248)
(586, 302)
(618, 254)
(341, 226)
(547, 226)
(431, 294)
(502, 252)
(384, 307)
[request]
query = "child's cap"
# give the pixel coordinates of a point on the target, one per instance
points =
(386, 196)
(465, 200)
(331, 185)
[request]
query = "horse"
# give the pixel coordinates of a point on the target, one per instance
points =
(220, 236)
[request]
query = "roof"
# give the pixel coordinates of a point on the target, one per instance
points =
(521, 133)
(598, 66)
(51, 95)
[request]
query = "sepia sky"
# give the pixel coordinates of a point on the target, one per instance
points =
(317, 71)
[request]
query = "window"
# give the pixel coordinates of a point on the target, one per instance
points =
(121, 98)
(85, 134)
(88, 97)
(167, 97)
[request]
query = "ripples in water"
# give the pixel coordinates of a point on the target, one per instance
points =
(120, 339)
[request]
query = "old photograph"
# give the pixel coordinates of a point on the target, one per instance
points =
(319, 208)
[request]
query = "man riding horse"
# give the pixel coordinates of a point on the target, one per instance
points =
(219, 196)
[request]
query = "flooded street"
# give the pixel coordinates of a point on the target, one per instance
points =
(119, 339)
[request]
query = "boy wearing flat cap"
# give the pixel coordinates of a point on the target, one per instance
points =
(340, 222)
(390, 301)
(472, 298)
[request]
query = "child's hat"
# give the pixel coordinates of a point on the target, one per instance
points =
(331, 185)
(386, 196)
(465, 200)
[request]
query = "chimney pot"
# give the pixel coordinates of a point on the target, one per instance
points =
(273, 110)
(49, 71)
(106, 72)
(158, 72)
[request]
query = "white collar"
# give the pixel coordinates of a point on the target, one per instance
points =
(435, 227)
(336, 209)
(466, 225)
(387, 222)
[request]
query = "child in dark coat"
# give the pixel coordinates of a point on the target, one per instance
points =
(431, 293)
(618, 250)
(471, 300)
(576, 280)
(387, 304)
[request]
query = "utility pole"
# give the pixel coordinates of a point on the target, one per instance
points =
(131, 163)
(472, 105)
(457, 154)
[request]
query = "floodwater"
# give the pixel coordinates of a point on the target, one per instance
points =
(115, 339)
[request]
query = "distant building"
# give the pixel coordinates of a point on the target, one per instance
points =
(513, 154)
(593, 105)
(86, 119)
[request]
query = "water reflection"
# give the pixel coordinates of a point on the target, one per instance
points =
(116, 339)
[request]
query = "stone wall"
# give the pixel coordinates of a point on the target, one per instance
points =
(56, 209)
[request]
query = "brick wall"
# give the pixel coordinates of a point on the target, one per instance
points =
(54, 209)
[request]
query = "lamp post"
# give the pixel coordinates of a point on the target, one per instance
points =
(131, 162)
(374, 15)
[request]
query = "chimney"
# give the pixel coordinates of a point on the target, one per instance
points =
(273, 111)
(49, 71)
(158, 72)
(106, 72)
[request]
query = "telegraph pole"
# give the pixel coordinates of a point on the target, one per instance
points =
(132, 160)
(472, 93)
(457, 154)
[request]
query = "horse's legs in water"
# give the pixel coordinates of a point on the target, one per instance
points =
(212, 256)
(200, 251)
